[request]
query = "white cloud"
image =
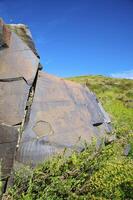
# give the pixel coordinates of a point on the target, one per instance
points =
(124, 74)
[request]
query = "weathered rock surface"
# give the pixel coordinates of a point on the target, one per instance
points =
(5, 35)
(18, 61)
(13, 99)
(50, 113)
(8, 141)
(24, 33)
(63, 115)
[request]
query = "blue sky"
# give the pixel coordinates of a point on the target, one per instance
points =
(78, 37)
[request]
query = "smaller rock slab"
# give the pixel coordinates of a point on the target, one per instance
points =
(13, 98)
(8, 142)
(18, 60)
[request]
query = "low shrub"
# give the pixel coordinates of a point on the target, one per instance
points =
(103, 174)
(92, 174)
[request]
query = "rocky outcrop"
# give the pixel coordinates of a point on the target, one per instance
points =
(40, 114)
(24, 33)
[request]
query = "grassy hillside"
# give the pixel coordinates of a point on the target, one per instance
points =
(97, 174)
(116, 96)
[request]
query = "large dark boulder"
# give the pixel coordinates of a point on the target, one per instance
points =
(63, 115)
(40, 114)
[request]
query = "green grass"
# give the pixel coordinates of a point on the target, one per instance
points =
(94, 174)
(116, 95)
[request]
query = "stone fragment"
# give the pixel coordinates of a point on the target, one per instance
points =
(24, 33)
(127, 149)
(110, 139)
(13, 98)
(8, 142)
(18, 61)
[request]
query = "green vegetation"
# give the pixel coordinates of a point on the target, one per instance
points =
(94, 174)
(116, 96)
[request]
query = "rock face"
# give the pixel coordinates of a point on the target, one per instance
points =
(63, 114)
(8, 141)
(24, 33)
(40, 114)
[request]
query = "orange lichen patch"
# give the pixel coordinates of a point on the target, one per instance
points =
(1, 22)
(5, 34)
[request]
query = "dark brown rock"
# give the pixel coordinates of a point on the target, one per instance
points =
(13, 98)
(24, 33)
(18, 61)
(8, 142)
(63, 115)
